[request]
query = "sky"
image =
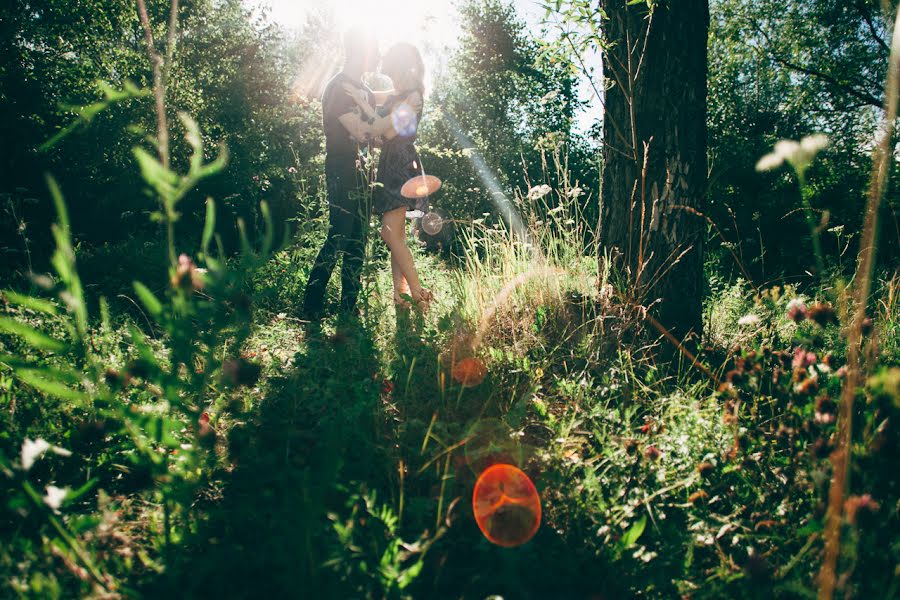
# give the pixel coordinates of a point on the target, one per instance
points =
(433, 25)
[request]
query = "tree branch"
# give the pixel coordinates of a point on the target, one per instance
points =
(162, 128)
(860, 95)
(861, 7)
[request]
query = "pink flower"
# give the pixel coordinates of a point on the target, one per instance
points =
(802, 358)
(292, 170)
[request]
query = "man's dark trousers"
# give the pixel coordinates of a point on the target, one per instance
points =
(347, 215)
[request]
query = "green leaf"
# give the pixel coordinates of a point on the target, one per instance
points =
(209, 226)
(36, 339)
(61, 211)
(634, 532)
(51, 387)
(157, 176)
(74, 495)
(36, 304)
(150, 302)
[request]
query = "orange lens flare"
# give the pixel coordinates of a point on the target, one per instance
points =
(506, 505)
(420, 186)
(469, 372)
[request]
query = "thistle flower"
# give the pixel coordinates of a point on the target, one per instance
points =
(802, 358)
(796, 310)
(652, 453)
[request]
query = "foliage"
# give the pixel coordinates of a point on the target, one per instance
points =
(190, 437)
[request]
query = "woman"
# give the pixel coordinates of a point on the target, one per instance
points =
(396, 123)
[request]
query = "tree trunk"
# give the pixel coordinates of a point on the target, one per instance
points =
(654, 155)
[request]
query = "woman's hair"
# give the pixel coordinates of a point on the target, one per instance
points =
(405, 61)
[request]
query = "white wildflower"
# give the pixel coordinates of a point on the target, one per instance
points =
(575, 192)
(539, 191)
(55, 497)
(32, 450)
(750, 320)
(798, 154)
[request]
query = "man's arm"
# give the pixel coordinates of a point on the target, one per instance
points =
(381, 127)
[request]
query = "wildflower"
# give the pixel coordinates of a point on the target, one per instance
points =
(750, 320)
(823, 314)
(797, 154)
(187, 273)
(34, 449)
(796, 310)
(808, 385)
(854, 504)
(575, 192)
(292, 170)
(802, 358)
(652, 452)
(204, 428)
(55, 496)
(539, 191)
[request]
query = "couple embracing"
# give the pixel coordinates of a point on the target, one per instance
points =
(354, 117)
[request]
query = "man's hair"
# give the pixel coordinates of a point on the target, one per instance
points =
(359, 43)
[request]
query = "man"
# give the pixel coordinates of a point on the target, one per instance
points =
(346, 184)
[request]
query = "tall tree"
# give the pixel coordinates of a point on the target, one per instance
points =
(654, 152)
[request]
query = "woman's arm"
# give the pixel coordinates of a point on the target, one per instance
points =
(378, 126)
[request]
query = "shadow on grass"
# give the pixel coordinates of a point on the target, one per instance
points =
(333, 426)
(267, 535)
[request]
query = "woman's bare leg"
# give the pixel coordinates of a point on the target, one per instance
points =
(393, 232)
(401, 288)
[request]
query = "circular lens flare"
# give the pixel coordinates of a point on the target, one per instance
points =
(469, 372)
(432, 223)
(404, 120)
(420, 186)
(506, 505)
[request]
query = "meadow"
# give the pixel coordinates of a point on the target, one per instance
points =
(170, 426)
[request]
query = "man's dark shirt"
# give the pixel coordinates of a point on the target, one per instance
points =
(341, 150)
